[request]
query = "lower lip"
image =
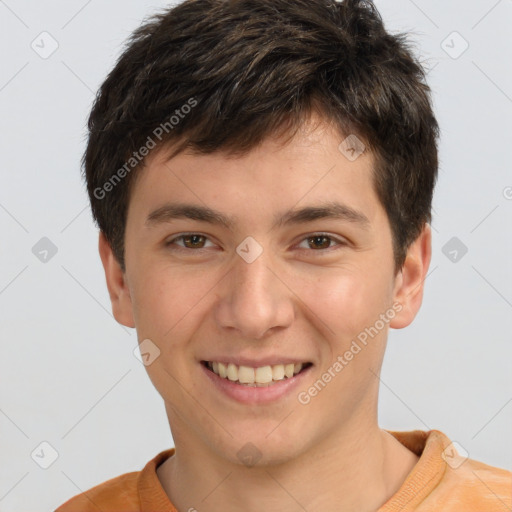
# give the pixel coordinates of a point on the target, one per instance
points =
(253, 394)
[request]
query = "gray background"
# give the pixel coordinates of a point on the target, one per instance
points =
(68, 373)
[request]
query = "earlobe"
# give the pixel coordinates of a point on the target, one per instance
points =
(409, 282)
(116, 283)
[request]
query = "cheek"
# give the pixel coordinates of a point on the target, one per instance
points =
(347, 302)
(165, 299)
(168, 305)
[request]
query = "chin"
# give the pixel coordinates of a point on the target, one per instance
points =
(261, 447)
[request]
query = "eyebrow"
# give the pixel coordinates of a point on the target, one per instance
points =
(329, 210)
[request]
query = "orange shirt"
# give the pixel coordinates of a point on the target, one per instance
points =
(441, 481)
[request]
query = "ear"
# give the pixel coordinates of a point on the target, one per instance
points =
(116, 284)
(409, 281)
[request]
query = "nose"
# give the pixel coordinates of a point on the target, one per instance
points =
(254, 298)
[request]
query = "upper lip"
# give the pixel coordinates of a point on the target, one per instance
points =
(256, 363)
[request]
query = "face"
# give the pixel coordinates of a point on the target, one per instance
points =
(267, 281)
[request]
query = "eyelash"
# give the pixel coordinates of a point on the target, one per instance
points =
(339, 241)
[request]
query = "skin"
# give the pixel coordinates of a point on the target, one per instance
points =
(291, 301)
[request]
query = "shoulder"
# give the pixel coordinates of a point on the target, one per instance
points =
(477, 486)
(119, 493)
(446, 478)
(469, 484)
(129, 492)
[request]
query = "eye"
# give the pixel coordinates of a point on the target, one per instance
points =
(321, 241)
(190, 241)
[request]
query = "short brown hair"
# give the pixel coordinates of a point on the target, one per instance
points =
(233, 72)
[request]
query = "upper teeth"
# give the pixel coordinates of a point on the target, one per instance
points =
(261, 375)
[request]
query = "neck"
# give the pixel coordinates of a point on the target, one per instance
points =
(363, 470)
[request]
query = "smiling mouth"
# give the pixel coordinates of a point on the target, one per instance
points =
(262, 376)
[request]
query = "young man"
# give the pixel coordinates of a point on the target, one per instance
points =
(262, 172)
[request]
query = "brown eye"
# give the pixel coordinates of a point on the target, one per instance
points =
(193, 241)
(319, 242)
(188, 241)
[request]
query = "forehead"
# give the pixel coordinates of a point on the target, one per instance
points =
(310, 175)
